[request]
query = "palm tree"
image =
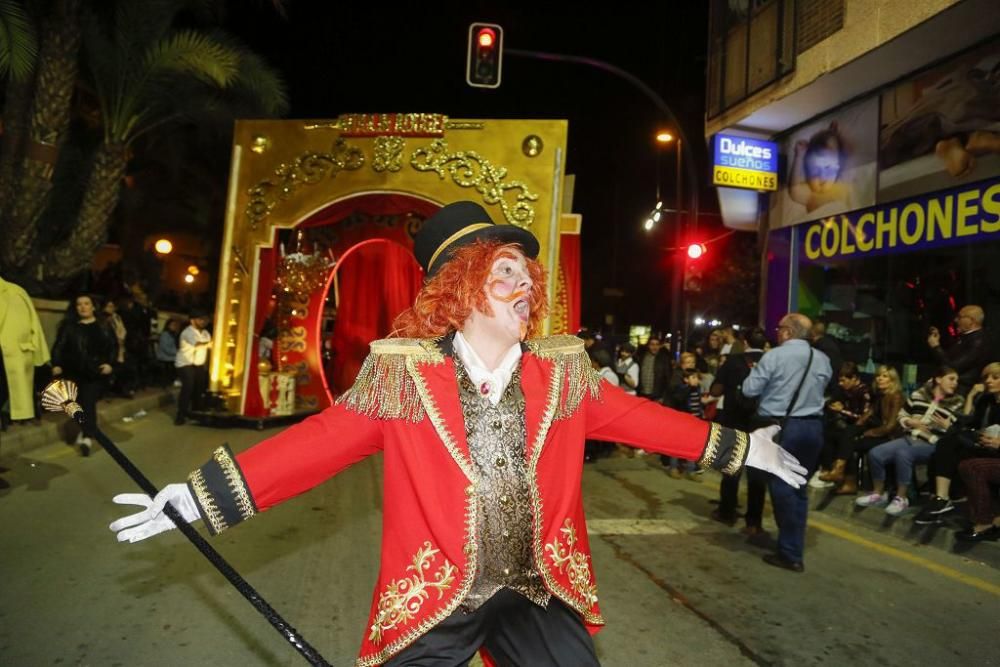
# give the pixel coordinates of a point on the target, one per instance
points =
(146, 75)
(18, 53)
(18, 41)
(39, 115)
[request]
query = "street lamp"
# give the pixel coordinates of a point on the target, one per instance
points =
(664, 138)
(163, 246)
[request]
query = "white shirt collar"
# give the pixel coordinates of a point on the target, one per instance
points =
(490, 384)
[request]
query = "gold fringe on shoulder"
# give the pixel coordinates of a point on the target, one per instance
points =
(384, 388)
(581, 378)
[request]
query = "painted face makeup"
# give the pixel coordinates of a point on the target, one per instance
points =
(508, 290)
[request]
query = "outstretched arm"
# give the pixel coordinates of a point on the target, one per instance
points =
(618, 417)
(230, 489)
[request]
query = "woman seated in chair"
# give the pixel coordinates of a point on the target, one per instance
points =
(928, 414)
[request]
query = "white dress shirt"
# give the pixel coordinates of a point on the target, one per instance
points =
(490, 384)
(190, 353)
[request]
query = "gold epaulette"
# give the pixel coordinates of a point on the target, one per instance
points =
(384, 388)
(569, 355)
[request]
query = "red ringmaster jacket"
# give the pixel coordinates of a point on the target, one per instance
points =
(405, 403)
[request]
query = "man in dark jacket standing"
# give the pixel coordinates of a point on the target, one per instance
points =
(654, 371)
(970, 352)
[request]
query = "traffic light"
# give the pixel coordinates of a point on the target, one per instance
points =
(695, 250)
(485, 57)
(694, 270)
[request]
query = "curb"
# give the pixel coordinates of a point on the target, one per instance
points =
(939, 536)
(20, 439)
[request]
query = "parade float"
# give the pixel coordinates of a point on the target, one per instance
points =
(317, 253)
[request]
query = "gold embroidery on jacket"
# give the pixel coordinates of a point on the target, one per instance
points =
(711, 447)
(568, 354)
(383, 388)
(401, 601)
(551, 403)
(207, 502)
(239, 489)
(739, 454)
(575, 563)
(434, 414)
(428, 622)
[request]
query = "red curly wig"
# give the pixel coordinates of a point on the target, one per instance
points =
(446, 300)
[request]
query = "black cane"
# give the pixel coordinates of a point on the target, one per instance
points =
(60, 396)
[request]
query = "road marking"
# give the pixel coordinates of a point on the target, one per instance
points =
(638, 527)
(943, 570)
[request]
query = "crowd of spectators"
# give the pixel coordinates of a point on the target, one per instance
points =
(932, 453)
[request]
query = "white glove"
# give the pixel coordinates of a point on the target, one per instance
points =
(766, 454)
(152, 520)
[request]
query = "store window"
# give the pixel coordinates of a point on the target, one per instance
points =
(880, 309)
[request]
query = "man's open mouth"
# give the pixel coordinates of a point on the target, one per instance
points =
(523, 309)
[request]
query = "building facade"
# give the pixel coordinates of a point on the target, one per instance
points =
(885, 219)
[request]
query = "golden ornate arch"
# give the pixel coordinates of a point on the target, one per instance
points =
(282, 171)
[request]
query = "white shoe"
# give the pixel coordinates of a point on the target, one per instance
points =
(139, 415)
(85, 446)
(817, 483)
(872, 500)
(898, 506)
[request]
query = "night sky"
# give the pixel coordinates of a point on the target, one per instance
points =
(381, 57)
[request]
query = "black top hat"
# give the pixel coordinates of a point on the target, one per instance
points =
(459, 224)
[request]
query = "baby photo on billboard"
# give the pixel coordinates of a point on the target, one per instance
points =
(831, 165)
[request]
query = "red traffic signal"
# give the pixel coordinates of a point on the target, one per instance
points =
(695, 250)
(485, 56)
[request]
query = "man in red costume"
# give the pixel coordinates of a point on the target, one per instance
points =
(482, 430)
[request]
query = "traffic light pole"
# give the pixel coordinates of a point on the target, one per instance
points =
(678, 332)
(692, 169)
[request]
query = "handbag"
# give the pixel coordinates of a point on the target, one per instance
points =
(795, 398)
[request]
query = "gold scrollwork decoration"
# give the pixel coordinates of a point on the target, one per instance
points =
(402, 599)
(468, 169)
(307, 169)
(293, 340)
(388, 154)
(575, 563)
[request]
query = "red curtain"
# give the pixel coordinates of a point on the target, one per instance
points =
(569, 262)
(352, 221)
(377, 280)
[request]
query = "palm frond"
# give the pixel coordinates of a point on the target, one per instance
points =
(195, 54)
(18, 41)
(262, 84)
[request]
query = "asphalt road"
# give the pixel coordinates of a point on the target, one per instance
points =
(675, 587)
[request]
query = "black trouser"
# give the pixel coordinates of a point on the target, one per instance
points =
(515, 631)
(194, 382)
(88, 394)
(951, 450)
(835, 432)
(756, 494)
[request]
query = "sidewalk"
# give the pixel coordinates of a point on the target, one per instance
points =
(22, 437)
(939, 536)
